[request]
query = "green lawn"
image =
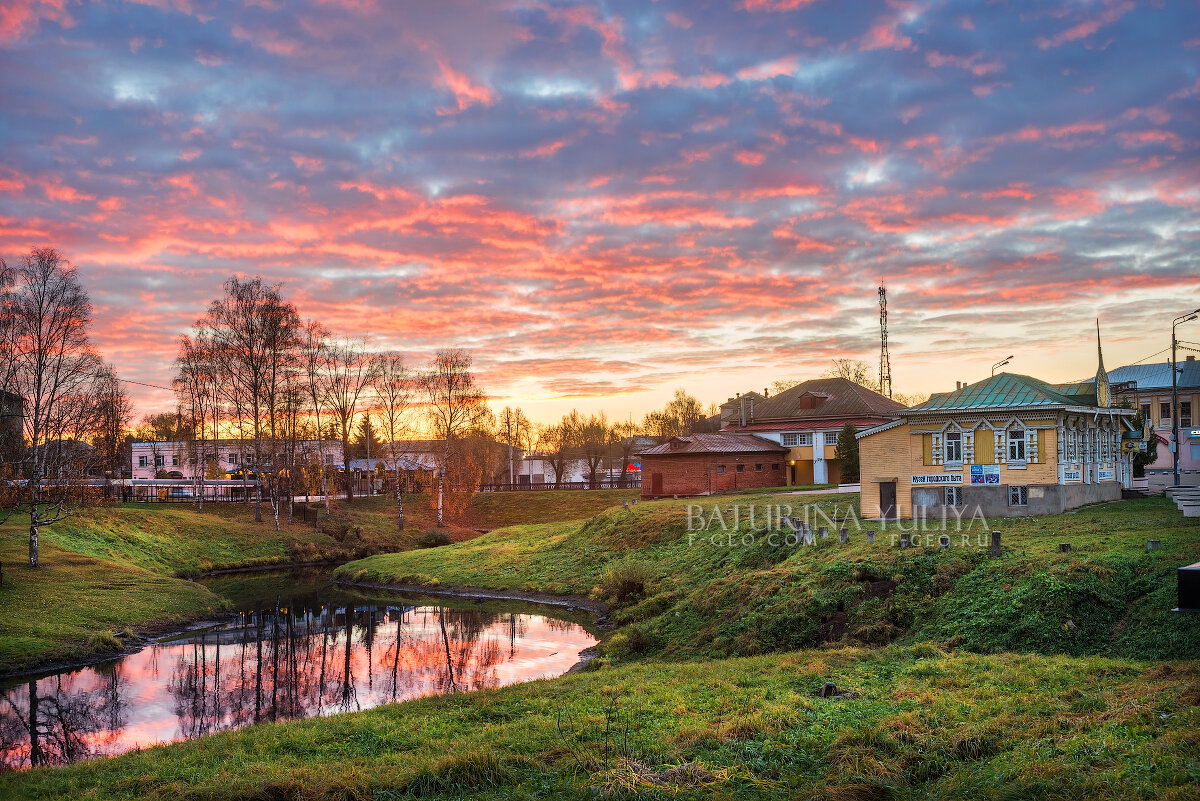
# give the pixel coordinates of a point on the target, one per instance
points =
(925, 724)
(1035, 675)
(703, 598)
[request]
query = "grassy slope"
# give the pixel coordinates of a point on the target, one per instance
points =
(50, 614)
(1108, 596)
(112, 567)
(926, 725)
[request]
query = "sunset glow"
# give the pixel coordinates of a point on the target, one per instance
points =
(603, 202)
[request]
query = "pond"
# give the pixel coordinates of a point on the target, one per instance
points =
(297, 647)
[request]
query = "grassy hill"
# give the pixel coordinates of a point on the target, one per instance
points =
(921, 723)
(121, 567)
(727, 592)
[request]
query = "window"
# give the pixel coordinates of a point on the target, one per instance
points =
(775, 468)
(233, 458)
(158, 461)
(1018, 495)
(141, 461)
(741, 468)
(175, 460)
(1146, 412)
(1016, 445)
(1164, 410)
(831, 438)
(758, 468)
(794, 440)
(1185, 413)
(954, 496)
(953, 447)
(720, 469)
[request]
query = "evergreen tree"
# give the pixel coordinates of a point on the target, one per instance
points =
(846, 452)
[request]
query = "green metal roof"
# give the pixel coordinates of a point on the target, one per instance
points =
(1009, 390)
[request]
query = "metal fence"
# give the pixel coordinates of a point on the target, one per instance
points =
(598, 484)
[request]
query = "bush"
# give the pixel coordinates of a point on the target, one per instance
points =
(626, 579)
(104, 641)
(433, 539)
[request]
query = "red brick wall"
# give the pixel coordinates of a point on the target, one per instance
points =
(696, 473)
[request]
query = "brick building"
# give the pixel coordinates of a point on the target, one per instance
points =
(702, 464)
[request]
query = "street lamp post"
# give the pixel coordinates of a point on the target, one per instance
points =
(1183, 318)
(1001, 363)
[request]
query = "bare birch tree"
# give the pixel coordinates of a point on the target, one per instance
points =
(253, 334)
(514, 427)
(349, 375)
(394, 385)
(47, 314)
(314, 362)
(454, 404)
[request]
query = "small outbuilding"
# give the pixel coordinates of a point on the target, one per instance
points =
(702, 464)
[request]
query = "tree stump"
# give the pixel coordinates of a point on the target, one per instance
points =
(995, 544)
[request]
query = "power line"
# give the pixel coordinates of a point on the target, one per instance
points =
(144, 384)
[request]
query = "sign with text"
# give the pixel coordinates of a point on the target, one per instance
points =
(1105, 475)
(1072, 475)
(985, 474)
(937, 478)
(1132, 445)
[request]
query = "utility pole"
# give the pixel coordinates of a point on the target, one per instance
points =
(1183, 318)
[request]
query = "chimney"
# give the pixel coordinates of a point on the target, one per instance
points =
(767, 391)
(957, 385)
(752, 410)
(1190, 358)
(742, 404)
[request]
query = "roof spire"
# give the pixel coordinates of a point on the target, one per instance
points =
(1103, 395)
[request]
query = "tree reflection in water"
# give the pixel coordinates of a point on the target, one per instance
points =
(289, 661)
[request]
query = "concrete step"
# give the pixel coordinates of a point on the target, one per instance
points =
(1192, 511)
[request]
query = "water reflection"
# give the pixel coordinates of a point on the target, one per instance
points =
(288, 661)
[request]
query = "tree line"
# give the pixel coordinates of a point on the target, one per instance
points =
(254, 371)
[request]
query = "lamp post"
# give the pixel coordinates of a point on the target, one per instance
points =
(1001, 363)
(1183, 318)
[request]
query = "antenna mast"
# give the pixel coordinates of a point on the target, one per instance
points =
(885, 364)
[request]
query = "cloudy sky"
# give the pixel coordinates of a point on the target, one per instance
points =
(604, 201)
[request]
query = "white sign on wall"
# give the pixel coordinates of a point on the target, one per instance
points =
(937, 478)
(1105, 475)
(1072, 475)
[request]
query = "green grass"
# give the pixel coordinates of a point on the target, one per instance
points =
(1035, 675)
(925, 724)
(69, 608)
(118, 565)
(1108, 596)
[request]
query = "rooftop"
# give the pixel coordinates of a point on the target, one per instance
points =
(1010, 390)
(715, 443)
(825, 399)
(1157, 376)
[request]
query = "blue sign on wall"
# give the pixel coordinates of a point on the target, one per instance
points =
(985, 474)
